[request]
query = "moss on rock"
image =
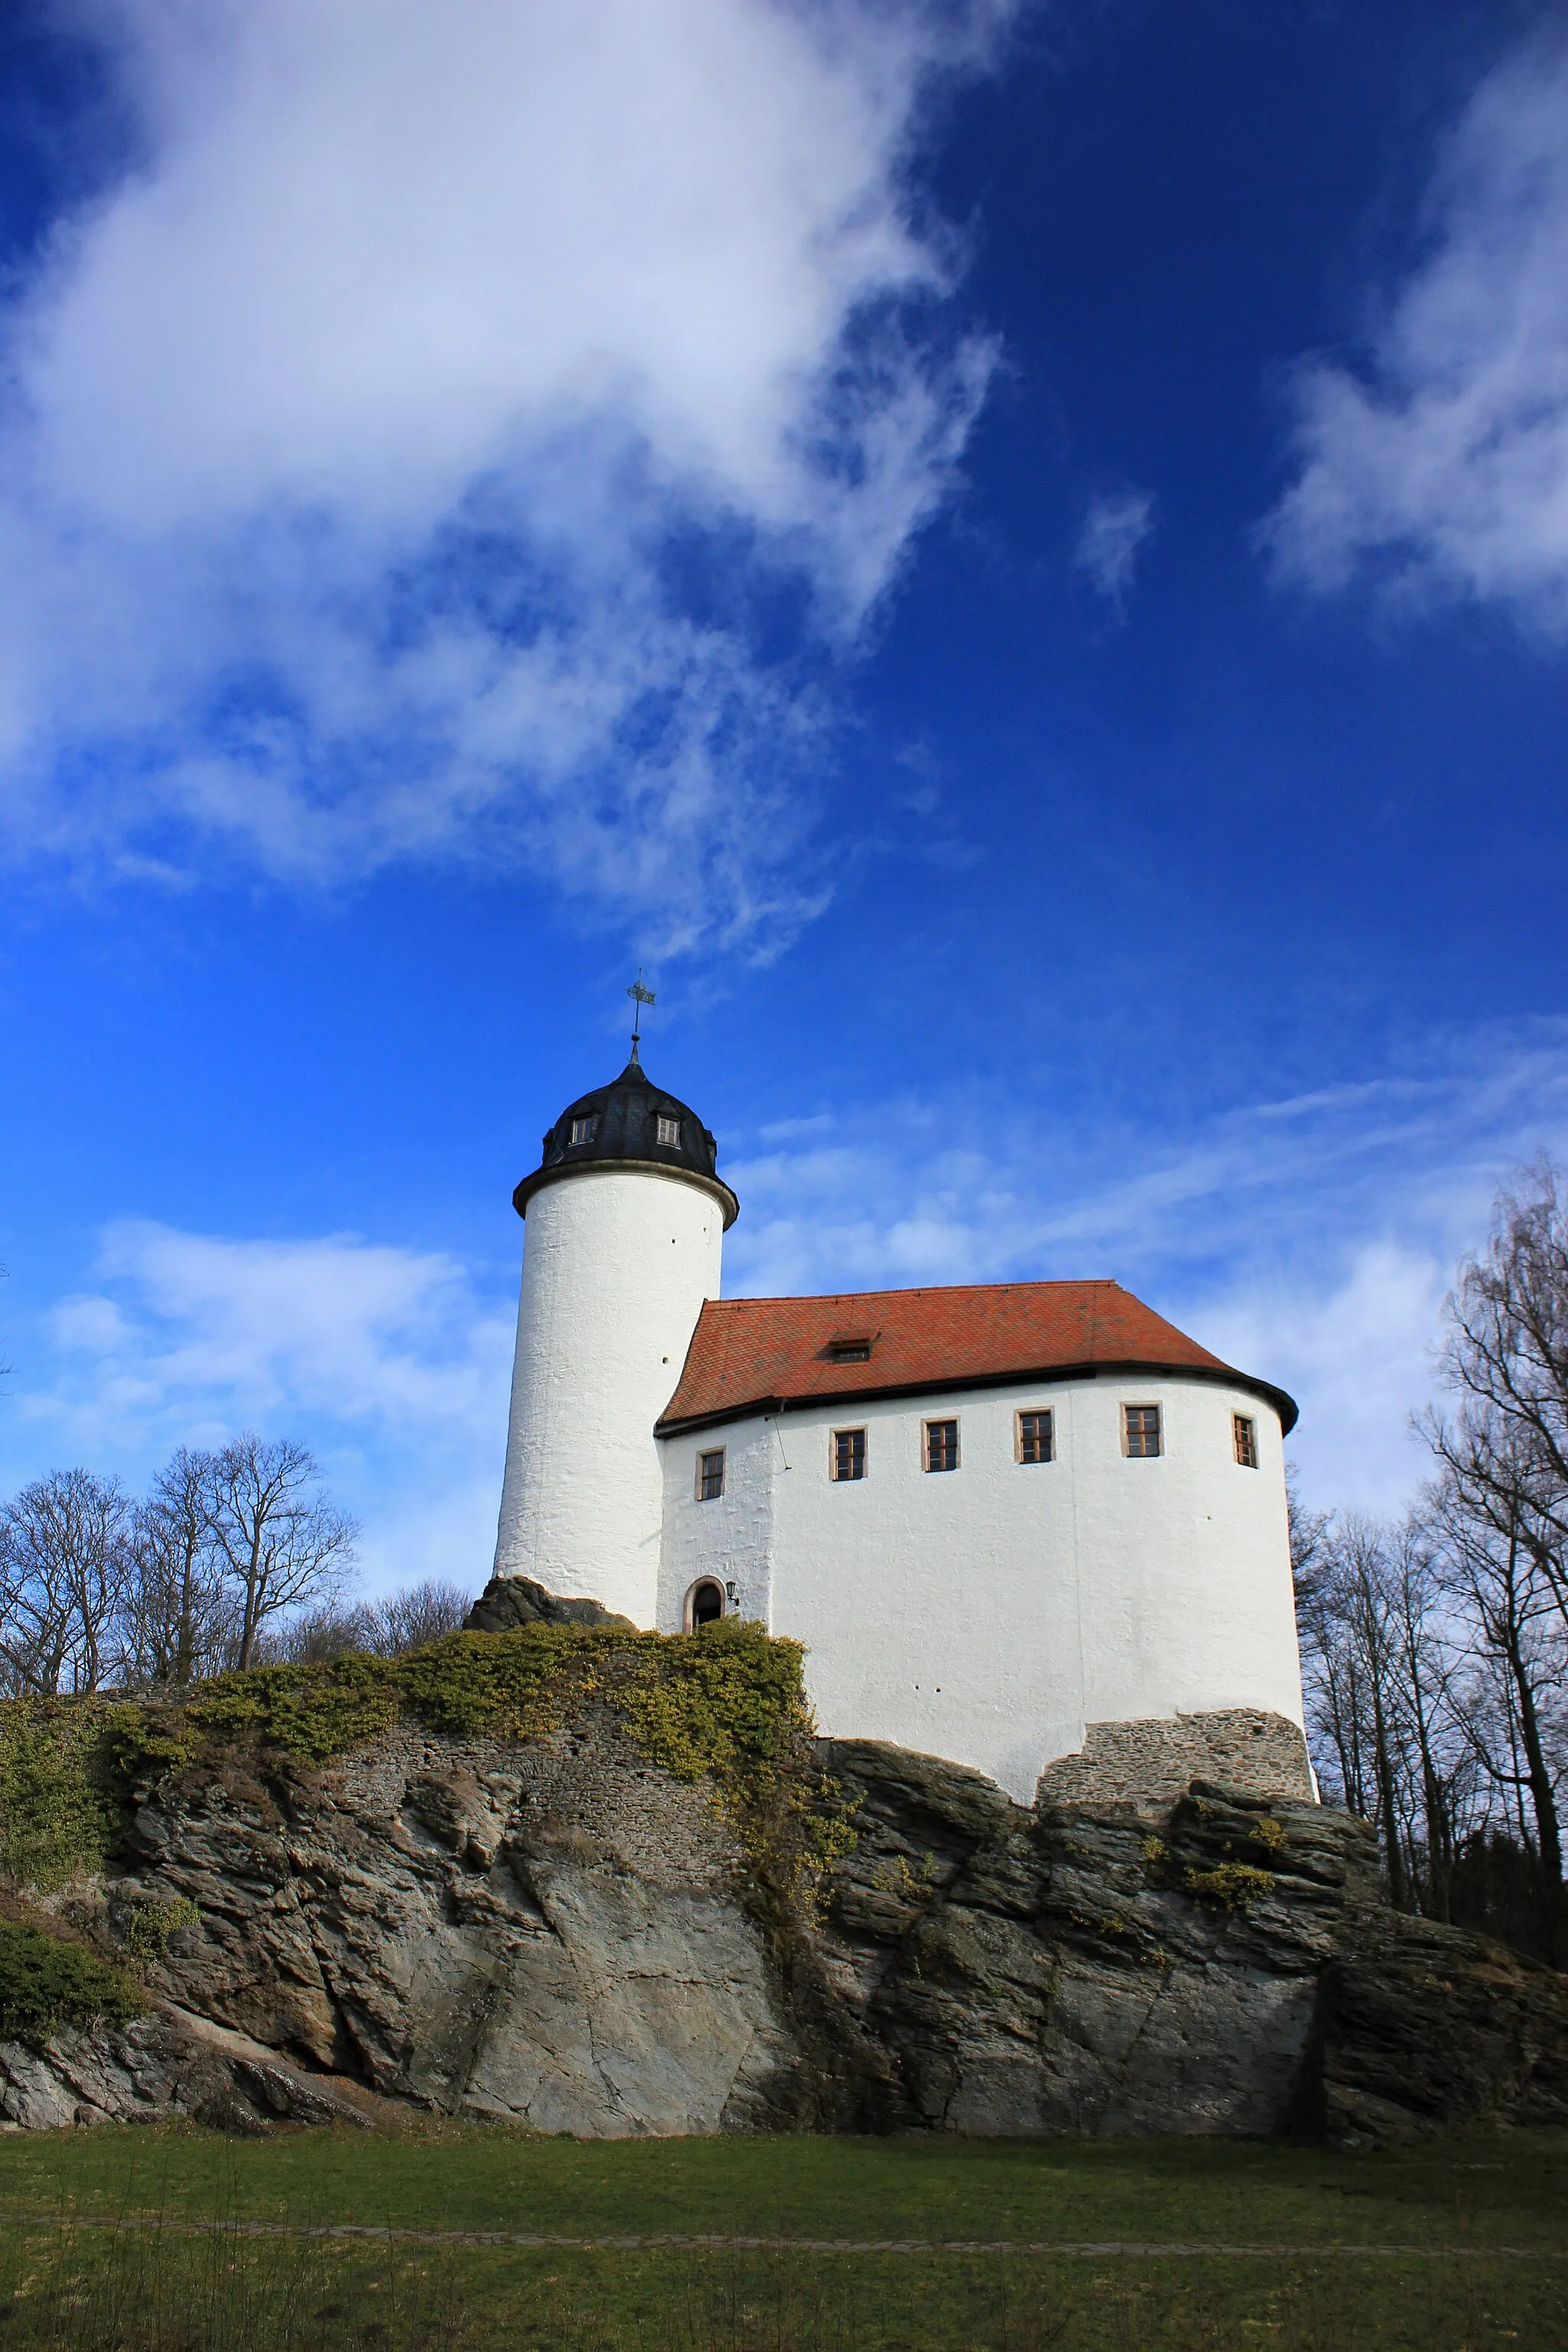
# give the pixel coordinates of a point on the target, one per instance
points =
(1233, 1886)
(728, 1705)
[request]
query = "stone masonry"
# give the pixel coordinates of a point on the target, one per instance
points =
(1150, 1763)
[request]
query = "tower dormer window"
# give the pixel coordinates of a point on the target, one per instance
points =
(668, 1133)
(583, 1130)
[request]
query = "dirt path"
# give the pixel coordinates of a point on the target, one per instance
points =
(661, 2241)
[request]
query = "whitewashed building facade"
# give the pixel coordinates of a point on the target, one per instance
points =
(1012, 1524)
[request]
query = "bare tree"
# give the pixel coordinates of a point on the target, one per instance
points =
(1384, 1703)
(1310, 1534)
(419, 1615)
(179, 1618)
(1430, 1708)
(282, 1543)
(1501, 1502)
(1506, 1358)
(389, 1627)
(64, 1560)
(1520, 1642)
(313, 1637)
(1363, 1682)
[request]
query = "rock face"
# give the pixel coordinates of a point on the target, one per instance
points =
(1229, 1970)
(547, 1930)
(555, 1931)
(508, 1601)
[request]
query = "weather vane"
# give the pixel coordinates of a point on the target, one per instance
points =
(640, 996)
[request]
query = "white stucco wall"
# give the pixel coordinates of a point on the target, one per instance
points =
(987, 1613)
(730, 1538)
(616, 1264)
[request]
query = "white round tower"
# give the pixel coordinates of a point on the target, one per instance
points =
(624, 1222)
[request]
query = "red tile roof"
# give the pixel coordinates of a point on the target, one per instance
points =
(756, 1355)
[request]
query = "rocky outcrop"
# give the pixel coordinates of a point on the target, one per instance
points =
(508, 1601)
(555, 1931)
(1232, 1969)
(547, 1930)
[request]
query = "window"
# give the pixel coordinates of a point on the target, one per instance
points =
(1036, 1438)
(711, 1475)
(583, 1130)
(1244, 1432)
(847, 1459)
(1141, 1430)
(849, 1351)
(669, 1133)
(706, 1605)
(941, 1445)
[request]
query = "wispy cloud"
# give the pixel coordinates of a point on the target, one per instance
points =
(1114, 531)
(1440, 466)
(387, 1362)
(1311, 1239)
(414, 452)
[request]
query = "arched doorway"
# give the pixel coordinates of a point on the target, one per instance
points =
(704, 1604)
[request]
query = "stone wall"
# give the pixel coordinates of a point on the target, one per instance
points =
(1150, 1763)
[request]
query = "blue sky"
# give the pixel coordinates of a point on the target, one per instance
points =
(1016, 556)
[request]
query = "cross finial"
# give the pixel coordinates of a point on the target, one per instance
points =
(640, 996)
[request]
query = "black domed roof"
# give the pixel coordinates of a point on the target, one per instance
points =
(628, 1124)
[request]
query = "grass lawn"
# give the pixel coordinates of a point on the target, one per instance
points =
(66, 2282)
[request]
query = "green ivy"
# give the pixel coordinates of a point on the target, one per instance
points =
(727, 1705)
(309, 1713)
(46, 1983)
(148, 1929)
(58, 1812)
(1233, 1886)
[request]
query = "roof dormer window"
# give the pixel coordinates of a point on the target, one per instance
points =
(583, 1130)
(668, 1133)
(849, 1351)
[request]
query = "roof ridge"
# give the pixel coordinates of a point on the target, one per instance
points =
(924, 1290)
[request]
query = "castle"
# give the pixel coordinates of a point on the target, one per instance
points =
(1029, 1527)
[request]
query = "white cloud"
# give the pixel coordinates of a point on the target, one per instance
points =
(1311, 1239)
(1114, 530)
(1353, 1347)
(382, 444)
(1442, 465)
(385, 1361)
(1308, 1239)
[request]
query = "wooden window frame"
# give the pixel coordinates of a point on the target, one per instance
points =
(1145, 1405)
(667, 1142)
(1244, 1435)
(851, 1478)
(941, 1421)
(590, 1124)
(1046, 1413)
(705, 1455)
